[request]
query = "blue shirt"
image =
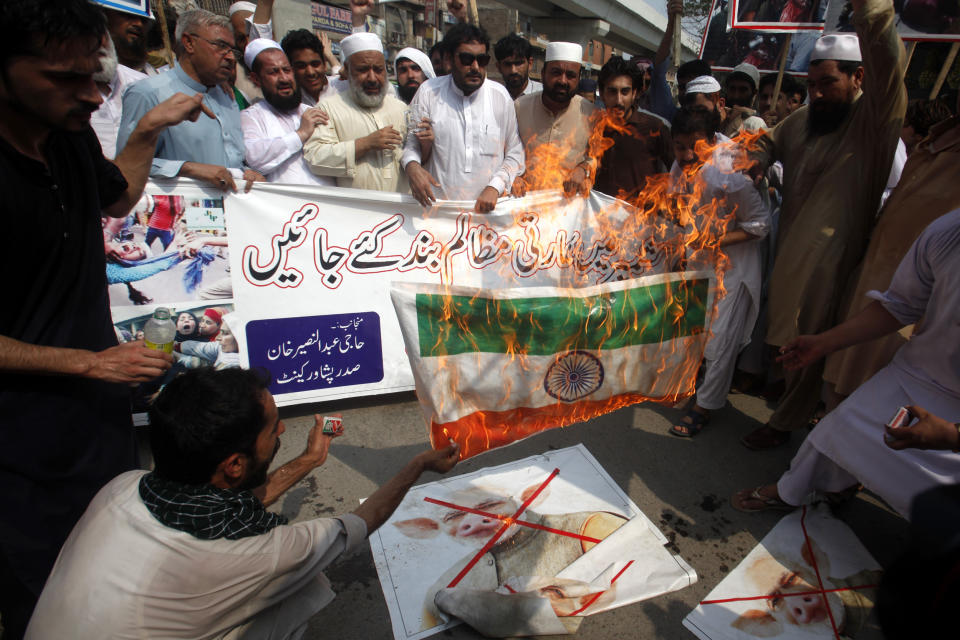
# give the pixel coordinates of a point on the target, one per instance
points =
(208, 141)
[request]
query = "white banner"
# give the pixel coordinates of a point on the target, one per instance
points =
(312, 270)
(297, 279)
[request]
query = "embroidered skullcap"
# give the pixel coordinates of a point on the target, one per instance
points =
(837, 46)
(703, 84)
(748, 70)
(255, 48)
(356, 42)
(564, 52)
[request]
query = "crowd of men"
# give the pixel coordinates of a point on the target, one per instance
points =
(816, 269)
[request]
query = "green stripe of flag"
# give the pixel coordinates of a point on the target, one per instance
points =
(449, 325)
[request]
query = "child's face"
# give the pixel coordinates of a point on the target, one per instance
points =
(684, 147)
(207, 326)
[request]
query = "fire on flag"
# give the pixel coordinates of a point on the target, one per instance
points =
(493, 366)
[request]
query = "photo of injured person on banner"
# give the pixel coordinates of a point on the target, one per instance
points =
(724, 48)
(204, 338)
(810, 577)
(933, 20)
(170, 247)
(526, 548)
(783, 16)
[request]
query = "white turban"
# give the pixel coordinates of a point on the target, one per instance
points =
(242, 6)
(356, 42)
(837, 46)
(703, 84)
(255, 48)
(564, 52)
(419, 57)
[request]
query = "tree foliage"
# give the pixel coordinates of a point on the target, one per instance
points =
(696, 15)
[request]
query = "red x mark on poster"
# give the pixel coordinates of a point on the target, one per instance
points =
(509, 521)
(819, 591)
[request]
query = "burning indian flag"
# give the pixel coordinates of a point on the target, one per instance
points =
(493, 366)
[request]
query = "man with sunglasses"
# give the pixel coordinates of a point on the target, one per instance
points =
(208, 150)
(476, 151)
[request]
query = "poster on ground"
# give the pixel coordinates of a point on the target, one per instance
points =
(576, 545)
(810, 577)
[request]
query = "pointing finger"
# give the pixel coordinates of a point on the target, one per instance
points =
(206, 109)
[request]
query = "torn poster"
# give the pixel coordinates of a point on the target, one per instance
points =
(526, 547)
(810, 577)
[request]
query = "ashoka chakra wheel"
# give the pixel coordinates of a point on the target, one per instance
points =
(574, 375)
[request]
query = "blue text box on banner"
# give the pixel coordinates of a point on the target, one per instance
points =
(317, 352)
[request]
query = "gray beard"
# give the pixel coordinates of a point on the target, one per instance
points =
(367, 101)
(108, 63)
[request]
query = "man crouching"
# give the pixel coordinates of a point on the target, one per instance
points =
(189, 550)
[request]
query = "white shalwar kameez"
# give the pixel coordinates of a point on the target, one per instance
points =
(847, 446)
(476, 141)
(273, 147)
(737, 311)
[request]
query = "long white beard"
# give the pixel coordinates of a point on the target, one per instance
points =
(367, 101)
(108, 63)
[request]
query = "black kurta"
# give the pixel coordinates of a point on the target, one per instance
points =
(61, 438)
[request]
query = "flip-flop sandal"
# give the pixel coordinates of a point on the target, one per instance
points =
(767, 504)
(697, 422)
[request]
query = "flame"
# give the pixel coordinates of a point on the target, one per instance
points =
(677, 232)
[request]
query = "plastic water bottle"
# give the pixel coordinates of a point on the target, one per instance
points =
(160, 331)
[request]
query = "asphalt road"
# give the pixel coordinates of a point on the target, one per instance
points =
(682, 485)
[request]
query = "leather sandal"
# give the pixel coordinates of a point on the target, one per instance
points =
(737, 501)
(692, 424)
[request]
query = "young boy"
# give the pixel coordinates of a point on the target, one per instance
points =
(716, 178)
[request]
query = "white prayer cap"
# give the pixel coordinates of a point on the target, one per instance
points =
(703, 84)
(356, 42)
(255, 48)
(837, 46)
(242, 6)
(421, 59)
(564, 52)
(747, 69)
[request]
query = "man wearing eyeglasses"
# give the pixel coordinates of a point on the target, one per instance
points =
(209, 150)
(475, 152)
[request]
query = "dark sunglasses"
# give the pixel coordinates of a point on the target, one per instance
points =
(466, 59)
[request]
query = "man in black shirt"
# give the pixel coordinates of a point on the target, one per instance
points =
(64, 409)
